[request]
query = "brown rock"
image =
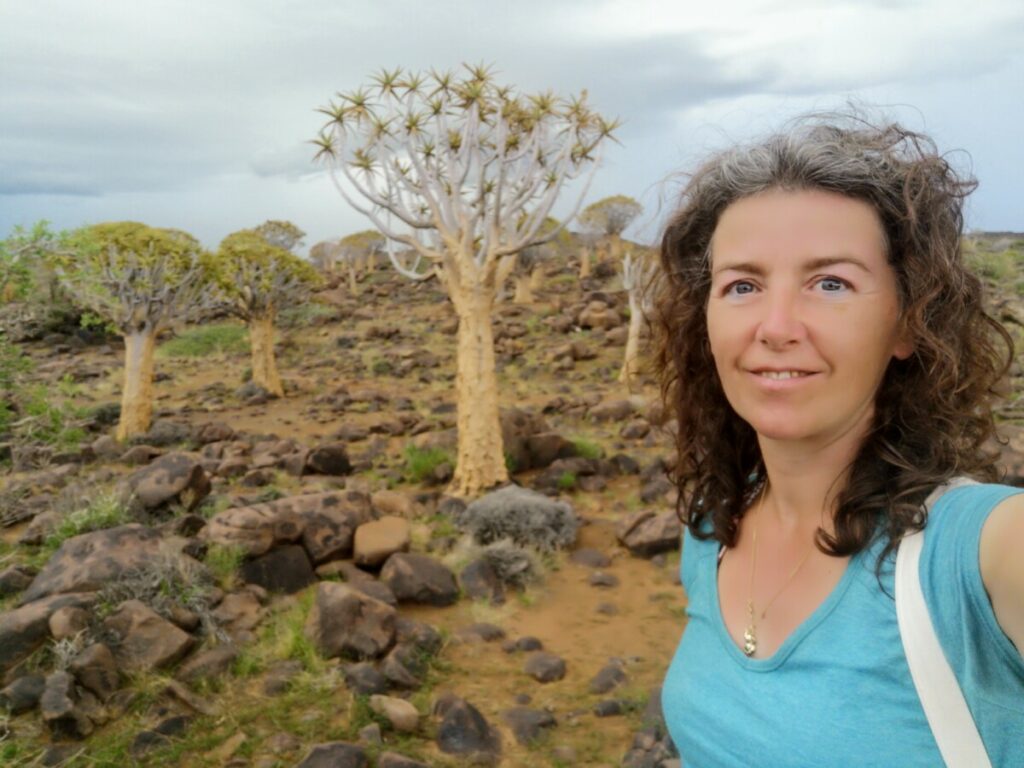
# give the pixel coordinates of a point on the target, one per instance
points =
(177, 478)
(345, 622)
(646, 534)
(377, 540)
(146, 640)
(419, 578)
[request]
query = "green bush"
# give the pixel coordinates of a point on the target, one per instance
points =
(304, 315)
(223, 563)
(205, 340)
(420, 463)
(48, 419)
(104, 511)
(567, 481)
(588, 449)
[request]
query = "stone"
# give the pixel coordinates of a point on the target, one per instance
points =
(377, 540)
(591, 558)
(208, 664)
(106, 448)
(481, 631)
(402, 715)
(26, 628)
(335, 754)
(646, 534)
(163, 434)
(96, 669)
(23, 694)
(545, 448)
(345, 622)
(608, 708)
(377, 590)
(656, 490)
(283, 570)
(175, 478)
(68, 621)
(280, 676)
(364, 678)
(330, 459)
(371, 735)
(393, 503)
(419, 578)
(609, 677)
(57, 705)
(637, 429)
(418, 634)
(465, 731)
(480, 581)
(14, 579)
(612, 410)
(85, 563)
(603, 579)
(395, 760)
(145, 640)
(404, 667)
(140, 455)
(214, 432)
(260, 527)
(597, 314)
(545, 667)
(238, 613)
(528, 724)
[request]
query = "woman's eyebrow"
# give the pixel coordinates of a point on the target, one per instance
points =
(752, 268)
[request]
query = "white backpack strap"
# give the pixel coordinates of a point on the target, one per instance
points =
(941, 698)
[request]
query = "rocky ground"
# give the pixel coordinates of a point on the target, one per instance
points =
(288, 584)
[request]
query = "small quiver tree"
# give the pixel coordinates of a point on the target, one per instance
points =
(256, 279)
(462, 172)
(280, 234)
(139, 280)
(528, 261)
(608, 218)
(637, 274)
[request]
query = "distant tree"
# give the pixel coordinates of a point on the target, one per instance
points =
(637, 274)
(256, 280)
(610, 217)
(281, 234)
(463, 172)
(139, 280)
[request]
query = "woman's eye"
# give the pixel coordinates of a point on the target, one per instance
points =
(832, 284)
(739, 288)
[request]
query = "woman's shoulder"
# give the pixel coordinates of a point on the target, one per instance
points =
(963, 510)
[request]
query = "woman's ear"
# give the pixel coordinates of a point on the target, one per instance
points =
(904, 346)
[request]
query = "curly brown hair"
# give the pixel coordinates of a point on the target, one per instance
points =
(932, 411)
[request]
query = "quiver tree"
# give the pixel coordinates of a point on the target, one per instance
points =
(462, 172)
(528, 261)
(637, 275)
(256, 279)
(139, 280)
(609, 218)
(280, 234)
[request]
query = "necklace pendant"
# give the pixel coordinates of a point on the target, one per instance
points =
(749, 641)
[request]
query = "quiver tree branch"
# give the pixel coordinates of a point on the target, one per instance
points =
(637, 276)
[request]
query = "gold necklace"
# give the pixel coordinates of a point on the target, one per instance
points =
(750, 633)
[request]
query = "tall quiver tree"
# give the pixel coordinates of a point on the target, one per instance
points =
(463, 172)
(609, 218)
(637, 274)
(140, 280)
(256, 280)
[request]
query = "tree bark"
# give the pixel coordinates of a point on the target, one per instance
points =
(261, 342)
(584, 262)
(137, 395)
(537, 278)
(353, 284)
(524, 290)
(615, 247)
(631, 363)
(481, 456)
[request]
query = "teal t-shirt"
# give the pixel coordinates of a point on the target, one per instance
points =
(838, 692)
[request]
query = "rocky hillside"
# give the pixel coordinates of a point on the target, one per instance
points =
(278, 582)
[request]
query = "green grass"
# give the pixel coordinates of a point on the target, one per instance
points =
(223, 562)
(567, 481)
(106, 510)
(206, 340)
(420, 463)
(304, 315)
(588, 449)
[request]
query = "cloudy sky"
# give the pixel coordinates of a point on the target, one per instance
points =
(196, 115)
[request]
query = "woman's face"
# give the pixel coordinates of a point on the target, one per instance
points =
(803, 315)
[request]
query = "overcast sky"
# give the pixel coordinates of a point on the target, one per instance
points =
(196, 115)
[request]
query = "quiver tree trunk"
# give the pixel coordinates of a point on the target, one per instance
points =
(631, 362)
(584, 262)
(537, 278)
(481, 457)
(353, 283)
(524, 290)
(615, 247)
(137, 395)
(261, 343)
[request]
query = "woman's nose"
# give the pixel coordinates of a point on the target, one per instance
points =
(782, 322)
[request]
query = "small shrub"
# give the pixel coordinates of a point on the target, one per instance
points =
(525, 517)
(566, 481)
(588, 449)
(304, 315)
(106, 510)
(420, 463)
(223, 563)
(205, 340)
(514, 566)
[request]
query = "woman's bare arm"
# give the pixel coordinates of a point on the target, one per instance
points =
(1002, 566)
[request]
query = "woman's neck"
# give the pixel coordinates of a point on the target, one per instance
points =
(804, 481)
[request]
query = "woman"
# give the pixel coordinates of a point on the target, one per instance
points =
(830, 362)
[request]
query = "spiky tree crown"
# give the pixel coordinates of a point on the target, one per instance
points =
(611, 215)
(446, 161)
